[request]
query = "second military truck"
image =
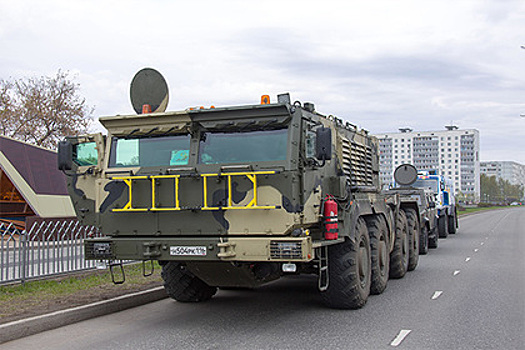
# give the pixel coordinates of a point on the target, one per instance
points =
(420, 208)
(238, 196)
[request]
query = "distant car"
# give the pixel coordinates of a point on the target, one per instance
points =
(515, 203)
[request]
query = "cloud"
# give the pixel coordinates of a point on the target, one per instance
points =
(380, 64)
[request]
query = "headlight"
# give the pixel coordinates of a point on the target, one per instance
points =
(286, 250)
(101, 250)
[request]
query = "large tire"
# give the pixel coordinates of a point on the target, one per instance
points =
(423, 241)
(443, 226)
(452, 223)
(349, 271)
(399, 255)
(433, 238)
(413, 234)
(180, 284)
(380, 257)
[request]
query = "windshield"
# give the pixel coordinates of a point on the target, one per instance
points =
(153, 151)
(427, 184)
(239, 147)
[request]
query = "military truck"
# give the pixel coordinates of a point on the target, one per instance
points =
(238, 196)
(443, 193)
(420, 209)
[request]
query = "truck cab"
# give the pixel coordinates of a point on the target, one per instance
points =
(443, 192)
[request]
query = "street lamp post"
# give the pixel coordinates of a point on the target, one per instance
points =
(522, 115)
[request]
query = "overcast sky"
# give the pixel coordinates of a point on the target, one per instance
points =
(378, 64)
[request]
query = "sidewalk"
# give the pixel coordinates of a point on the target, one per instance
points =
(33, 325)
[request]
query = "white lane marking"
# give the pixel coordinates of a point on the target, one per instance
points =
(400, 337)
(482, 243)
(467, 259)
(456, 272)
(476, 250)
(436, 295)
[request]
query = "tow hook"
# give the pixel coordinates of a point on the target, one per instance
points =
(151, 249)
(227, 249)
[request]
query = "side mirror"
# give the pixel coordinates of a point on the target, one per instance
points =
(323, 143)
(65, 155)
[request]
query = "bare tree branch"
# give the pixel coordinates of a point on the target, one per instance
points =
(43, 110)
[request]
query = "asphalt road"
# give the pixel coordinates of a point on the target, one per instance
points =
(467, 294)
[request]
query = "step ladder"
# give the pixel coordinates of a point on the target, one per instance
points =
(323, 269)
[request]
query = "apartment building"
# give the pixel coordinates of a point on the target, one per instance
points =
(513, 172)
(452, 152)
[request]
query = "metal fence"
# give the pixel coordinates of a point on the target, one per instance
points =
(51, 247)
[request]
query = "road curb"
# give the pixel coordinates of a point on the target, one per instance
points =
(480, 211)
(37, 324)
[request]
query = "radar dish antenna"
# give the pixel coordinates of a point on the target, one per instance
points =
(405, 174)
(149, 91)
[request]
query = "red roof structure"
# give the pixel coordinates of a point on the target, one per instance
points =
(30, 183)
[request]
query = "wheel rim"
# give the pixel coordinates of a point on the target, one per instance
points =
(416, 238)
(382, 256)
(405, 248)
(364, 264)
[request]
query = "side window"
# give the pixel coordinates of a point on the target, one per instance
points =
(85, 154)
(310, 144)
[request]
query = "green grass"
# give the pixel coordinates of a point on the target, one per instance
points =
(72, 290)
(473, 210)
(77, 282)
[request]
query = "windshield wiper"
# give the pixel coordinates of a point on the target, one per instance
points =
(149, 132)
(131, 133)
(248, 125)
(167, 132)
(268, 123)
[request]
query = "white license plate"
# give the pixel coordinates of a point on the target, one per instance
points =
(188, 250)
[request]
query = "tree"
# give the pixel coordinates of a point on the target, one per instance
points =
(497, 190)
(44, 110)
(490, 191)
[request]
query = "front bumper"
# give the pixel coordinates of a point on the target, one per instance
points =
(268, 249)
